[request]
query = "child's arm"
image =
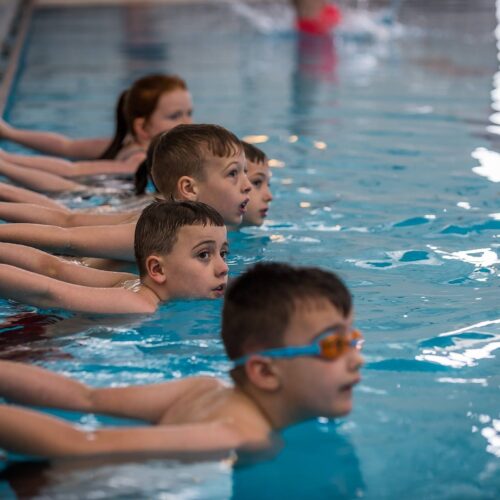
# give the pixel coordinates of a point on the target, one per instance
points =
(34, 433)
(67, 168)
(61, 217)
(41, 291)
(20, 195)
(38, 180)
(36, 261)
(31, 385)
(113, 242)
(54, 143)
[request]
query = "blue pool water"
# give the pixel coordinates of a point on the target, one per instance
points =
(386, 171)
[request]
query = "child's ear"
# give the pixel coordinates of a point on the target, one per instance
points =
(187, 188)
(155, 269)
(139, 129)
(263, 373)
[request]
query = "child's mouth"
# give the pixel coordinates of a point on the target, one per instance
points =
(350, 386)
(219, 290)
(263, 212)
(243, 206)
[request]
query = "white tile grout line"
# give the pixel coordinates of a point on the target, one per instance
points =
(14, 55)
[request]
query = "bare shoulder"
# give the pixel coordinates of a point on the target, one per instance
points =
(206, 383)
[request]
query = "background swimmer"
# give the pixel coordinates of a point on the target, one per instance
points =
(153, 104)
(259, 175)
(316, 17)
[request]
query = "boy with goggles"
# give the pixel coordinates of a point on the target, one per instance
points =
(328, 345)
(294, 354)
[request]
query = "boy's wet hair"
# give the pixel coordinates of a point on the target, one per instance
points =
(259, 305)
(139, 101)
(183, 151)
(253, 153)
(157, 228)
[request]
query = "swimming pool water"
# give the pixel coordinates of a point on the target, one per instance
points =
(385, 171)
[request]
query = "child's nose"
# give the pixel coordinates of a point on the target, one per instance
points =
(268, 195)
(356, 360)
(221, 268)
(246, 185)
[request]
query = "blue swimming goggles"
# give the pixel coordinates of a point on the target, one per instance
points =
(330, 345)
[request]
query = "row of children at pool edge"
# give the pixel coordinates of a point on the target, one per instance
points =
(287, 330)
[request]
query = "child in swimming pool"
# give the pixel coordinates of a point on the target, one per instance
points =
(259, 176)
(288, 333)
(190, 162)
(153, 104)
(180, 250)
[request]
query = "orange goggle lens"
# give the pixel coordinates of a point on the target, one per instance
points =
(334, 345)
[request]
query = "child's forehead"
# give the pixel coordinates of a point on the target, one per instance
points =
(194, 232)
(313, 315)
(256, 167)
(212, 160)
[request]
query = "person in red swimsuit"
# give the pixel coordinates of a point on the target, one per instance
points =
(316, 17)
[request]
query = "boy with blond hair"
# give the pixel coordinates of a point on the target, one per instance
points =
(288, 333)
(180, 250)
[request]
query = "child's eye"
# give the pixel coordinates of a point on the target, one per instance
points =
(175, 116)
(224, 254)
(205, 255)
(233, 173)
(190, 112)
(258, 183)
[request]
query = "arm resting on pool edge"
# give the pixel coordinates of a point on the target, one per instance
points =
(34, 433)
(60, 217)
(68, 168)
(16, 194)
(38, 180)
(41, 291)
(113, 242)
(54, 143)
(31, 385)
(38, 261)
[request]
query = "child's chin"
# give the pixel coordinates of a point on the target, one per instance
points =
(341, 410)
(248, 221)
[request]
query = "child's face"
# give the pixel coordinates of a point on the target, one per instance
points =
(226, 187)
(259, 175)
(314, 386)
(196, 267)
(173, 108)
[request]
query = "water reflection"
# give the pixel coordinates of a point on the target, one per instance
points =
(316, 61)
(463, 347)
(318, 457)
